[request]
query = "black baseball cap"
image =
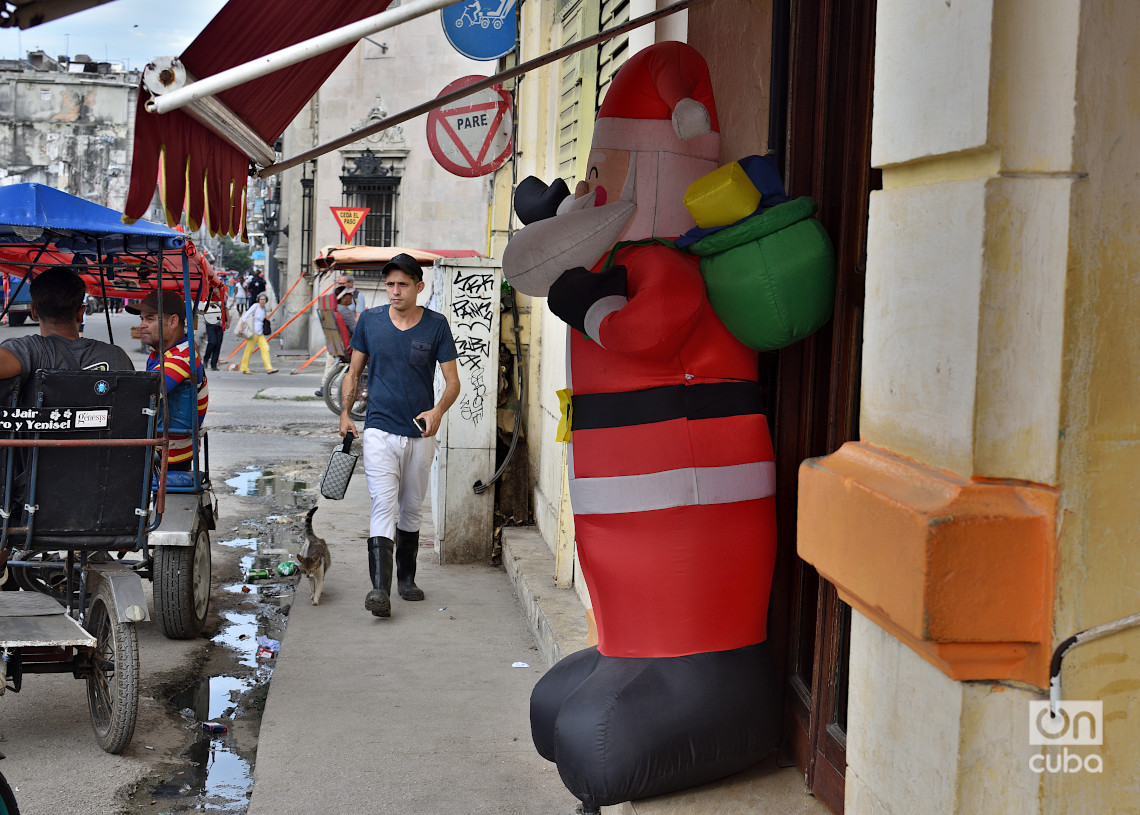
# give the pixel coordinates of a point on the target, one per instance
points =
(407, 264)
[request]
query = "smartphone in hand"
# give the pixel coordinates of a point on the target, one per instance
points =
(421, 424)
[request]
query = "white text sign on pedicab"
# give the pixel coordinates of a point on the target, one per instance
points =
(39, 420)
(471, 136)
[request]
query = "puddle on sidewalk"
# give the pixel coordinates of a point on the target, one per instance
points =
(216, 770)
(265, 482)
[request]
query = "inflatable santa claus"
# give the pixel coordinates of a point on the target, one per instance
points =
(671, 470)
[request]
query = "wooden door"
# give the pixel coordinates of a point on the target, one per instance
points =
(830, 46)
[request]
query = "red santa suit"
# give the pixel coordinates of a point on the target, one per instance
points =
(672, 475)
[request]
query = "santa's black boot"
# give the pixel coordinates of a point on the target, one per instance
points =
(378, 600)
(407, 548)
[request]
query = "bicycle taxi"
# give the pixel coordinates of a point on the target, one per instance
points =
(88, 509)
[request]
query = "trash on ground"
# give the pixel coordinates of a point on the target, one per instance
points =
(257, 574)
(214, 727)
(286, 568)
(266, 642)
(520, 665)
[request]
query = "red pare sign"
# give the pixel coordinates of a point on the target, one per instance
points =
(472, 136)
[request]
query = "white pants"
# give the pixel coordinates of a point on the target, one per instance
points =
(398, 469)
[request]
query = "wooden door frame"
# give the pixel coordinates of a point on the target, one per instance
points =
(827, 156)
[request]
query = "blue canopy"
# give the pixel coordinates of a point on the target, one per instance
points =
(29, 213)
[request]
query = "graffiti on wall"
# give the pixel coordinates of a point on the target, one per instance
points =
(472, 319)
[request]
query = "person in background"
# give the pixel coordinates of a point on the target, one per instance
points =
(212, 317)
(347, 284)
(346, 307)
(255, 315)
(231, 291)
(256, 285)
(241, 296)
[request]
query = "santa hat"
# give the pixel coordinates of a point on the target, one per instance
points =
(660, 99)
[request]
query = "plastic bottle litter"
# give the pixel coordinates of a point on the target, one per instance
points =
(257, 574)
(214, 727)
(287, 568)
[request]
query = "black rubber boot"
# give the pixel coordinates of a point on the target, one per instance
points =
(407, 548)
(378, 600)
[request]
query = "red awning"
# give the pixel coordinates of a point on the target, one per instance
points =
(200, 171)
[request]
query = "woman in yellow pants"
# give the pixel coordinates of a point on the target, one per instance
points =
(255, 315)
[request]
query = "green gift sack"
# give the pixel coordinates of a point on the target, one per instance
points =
(770, 278)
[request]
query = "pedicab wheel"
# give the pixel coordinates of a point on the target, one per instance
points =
(113, 684)
(46, 580)
(331, 390)
(182, 587)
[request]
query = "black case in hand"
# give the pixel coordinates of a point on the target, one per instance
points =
(339, 472)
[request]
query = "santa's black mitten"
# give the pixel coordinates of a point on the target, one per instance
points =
(577, 290)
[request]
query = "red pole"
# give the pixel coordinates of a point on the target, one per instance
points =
(306, 365)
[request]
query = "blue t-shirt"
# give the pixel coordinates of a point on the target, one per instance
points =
(401, 367)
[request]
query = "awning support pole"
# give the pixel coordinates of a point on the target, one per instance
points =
(467, 90)
(329, 41)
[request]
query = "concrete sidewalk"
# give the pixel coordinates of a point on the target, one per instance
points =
(420, 713)
(423, 714)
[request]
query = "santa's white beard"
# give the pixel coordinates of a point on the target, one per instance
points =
(538, 254)
(651, 204)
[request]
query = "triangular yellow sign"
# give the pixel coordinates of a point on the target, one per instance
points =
(350, 219)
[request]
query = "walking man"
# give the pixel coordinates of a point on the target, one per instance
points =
(401, 343)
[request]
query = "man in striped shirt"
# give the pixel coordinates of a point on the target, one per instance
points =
(181, 365)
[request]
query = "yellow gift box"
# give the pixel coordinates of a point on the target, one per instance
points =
(722, 197)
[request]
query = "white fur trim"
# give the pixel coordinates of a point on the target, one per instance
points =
(537, 254)
(599, 311)
(612, 133)
(691, 119)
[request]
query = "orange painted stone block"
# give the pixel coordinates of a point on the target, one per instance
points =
(960, 570)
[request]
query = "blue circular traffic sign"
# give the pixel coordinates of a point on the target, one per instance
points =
(480, 29)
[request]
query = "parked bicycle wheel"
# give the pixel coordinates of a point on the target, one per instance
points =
(331, 389)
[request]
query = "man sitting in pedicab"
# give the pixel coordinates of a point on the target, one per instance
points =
(57, 303)
(182, 395)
